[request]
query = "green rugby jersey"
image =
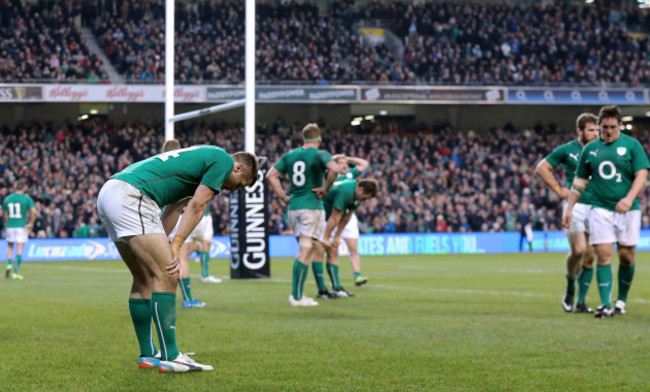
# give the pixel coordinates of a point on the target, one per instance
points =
(306, 169)
(567, 155)
(612, 167)
(15, 207)
(351, 174)
(341, 196)
(174, 175)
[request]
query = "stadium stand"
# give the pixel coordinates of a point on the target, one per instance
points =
(434, 179)
(443, 43)
(42, 42)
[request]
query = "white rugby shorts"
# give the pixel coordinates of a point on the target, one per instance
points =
(608, 227)
(17, 234)
(351, 230)
(125, 211)
(580, 218)
(203, 230)
(310, 223)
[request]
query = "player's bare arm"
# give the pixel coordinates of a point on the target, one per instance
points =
(33, 213)
(640, 179)
(339, 229)
(170, 215)
(273, 177)
(579, 185)
(332, 222)
(360, 163)
(333, 172)
(191, 217)
(544, 170)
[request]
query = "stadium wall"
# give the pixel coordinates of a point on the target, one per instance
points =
(286, 245)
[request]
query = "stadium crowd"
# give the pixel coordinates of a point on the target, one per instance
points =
(432, 178)
(448, 42)
(469, 43)
(42, 42)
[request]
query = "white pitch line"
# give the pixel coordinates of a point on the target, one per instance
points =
(383, 286)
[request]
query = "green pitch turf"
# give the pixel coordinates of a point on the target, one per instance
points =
(422, 323)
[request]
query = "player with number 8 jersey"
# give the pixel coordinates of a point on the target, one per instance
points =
(306, 167)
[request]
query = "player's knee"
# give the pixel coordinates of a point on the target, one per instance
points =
(626, 258)
(578, 252)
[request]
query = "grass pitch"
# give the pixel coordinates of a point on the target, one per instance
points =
(422, 323)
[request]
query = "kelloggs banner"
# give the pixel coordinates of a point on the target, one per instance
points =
(120, 93)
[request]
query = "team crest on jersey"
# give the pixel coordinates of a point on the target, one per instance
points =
(621, 151)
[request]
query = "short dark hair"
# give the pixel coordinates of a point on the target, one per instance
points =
(584, 119)
(249, 160)
(21, 184)
(311, 131)
(612, 111)
(370, 186)
(171, 145)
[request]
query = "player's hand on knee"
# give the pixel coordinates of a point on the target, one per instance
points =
(174, 266)
(566, 220)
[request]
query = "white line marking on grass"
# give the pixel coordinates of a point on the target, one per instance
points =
(65, 267)
(383, 286)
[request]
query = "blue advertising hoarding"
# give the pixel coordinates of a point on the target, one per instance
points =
(577, 96)
(287, 246)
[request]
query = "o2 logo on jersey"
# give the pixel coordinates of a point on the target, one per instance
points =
(609, 166)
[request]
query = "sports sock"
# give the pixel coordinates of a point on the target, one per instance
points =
(205, 264)
(317, 268)
(186, 289)
(605, 278)
(9, 264)
(333, 272)
(140, 310)
(300, 272)
(19, 260)
(625, 277)
(570, 284)
(584, 281)
(163, 310)
(356, 275)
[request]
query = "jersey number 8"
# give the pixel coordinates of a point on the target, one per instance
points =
(298, 177)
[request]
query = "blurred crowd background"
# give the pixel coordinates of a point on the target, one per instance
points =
(433, 178)
(447, 42)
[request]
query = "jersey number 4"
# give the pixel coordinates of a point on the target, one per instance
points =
(174, 154)
(298, 178)
(14, 210)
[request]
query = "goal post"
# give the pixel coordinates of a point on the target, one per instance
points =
(249, 206)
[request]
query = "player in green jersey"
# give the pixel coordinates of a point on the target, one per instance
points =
(16, 208)
(340, 204)
(306, 167)
(616, 169)
(193, 242)
(580, 260)
(351, 232)
(129, 205)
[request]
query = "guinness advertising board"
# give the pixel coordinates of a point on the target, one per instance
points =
(249, 239)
